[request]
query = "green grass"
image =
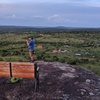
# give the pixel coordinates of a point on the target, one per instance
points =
(13, 48)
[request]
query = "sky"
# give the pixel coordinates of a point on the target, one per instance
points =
(50, 13)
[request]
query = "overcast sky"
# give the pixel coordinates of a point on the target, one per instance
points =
(69, 13)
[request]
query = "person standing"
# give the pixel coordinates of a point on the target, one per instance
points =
(30, 44)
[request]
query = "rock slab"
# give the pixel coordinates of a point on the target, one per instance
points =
(58, 81)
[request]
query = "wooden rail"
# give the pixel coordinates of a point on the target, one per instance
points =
(20, 70)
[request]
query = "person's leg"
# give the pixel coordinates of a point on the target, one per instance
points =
(32, 58)
(31, 53)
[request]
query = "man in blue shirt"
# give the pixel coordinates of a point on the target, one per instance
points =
(30, 44)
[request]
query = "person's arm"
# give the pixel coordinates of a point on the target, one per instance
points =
(27, 42)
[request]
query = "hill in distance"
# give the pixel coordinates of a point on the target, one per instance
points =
(46, 29)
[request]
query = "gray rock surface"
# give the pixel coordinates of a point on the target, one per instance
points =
(58, 81)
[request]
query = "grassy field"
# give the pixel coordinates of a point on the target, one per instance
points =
(77, 48)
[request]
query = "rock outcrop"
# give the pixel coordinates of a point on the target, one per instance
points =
(58, 81)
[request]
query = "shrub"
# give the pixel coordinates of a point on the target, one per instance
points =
(62, 60)
(55, 58)
(73, 61)
(1, 59)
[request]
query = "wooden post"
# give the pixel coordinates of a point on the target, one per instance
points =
(36, 77)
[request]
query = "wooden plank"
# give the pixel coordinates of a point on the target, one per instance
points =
(24, 75)
(23, 70)
(4, 69)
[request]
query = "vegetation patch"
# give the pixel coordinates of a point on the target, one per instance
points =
(80, 47)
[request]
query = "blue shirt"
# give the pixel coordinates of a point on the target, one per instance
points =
(31, 45)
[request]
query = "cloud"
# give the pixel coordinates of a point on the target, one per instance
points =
(13, 16)
(53, 17)
(94, 4)
(70, 13)
(10, 17)
(61, 19)
(71, 20)
(36, 16)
